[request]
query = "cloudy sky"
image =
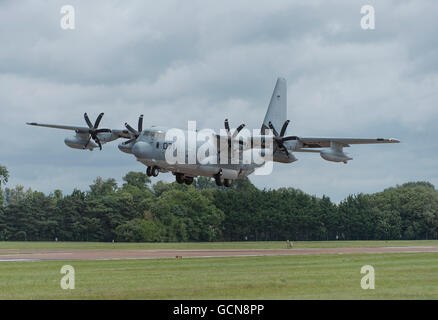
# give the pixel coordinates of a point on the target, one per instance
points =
(175, 61)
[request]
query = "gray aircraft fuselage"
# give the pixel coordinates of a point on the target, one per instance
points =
(151, 146)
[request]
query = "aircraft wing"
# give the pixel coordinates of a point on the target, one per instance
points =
(345, 142)
(57, 126)
(120, 133)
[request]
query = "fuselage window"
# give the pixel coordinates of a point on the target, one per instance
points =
(165, 145)
(158, 145)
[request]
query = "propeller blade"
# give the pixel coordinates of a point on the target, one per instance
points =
(99, 117)
(283, 147)
(283, 128)
(131, 129)
(273, 129)
(140, 124)
(86, 145)
(98, 142)
(87, 120)
(287, 152)
(239, 128)
(227, 126)
(128, 141)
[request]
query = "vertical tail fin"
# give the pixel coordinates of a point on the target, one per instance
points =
(277, 110)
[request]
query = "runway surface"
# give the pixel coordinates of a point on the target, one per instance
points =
(109, 254)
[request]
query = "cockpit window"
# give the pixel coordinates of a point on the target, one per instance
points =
(154, 134)
(149, 133)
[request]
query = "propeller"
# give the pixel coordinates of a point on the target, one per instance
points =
(134, 133)
(234, 135)
(93, 131)
(280, 138)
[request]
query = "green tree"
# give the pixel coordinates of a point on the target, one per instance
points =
(137, 179)
(4, 175)
(140, 230)
(102, 187)
(188, 215)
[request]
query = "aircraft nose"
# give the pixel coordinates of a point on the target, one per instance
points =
(141, 149)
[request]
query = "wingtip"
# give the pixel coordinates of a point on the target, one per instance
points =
(390, 140)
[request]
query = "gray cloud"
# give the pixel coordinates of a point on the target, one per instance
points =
(176, 61)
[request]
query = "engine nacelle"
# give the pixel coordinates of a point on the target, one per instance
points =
(284, 158)
(334, 155)
(79, 143)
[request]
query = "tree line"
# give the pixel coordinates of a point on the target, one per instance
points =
(139, 211)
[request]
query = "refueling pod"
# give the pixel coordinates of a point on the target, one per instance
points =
(335, 153)
(78, 142)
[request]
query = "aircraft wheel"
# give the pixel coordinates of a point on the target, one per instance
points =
(149, 171)
(188, 180)
(219, 181)
(154, 171)
(179, 178)
(228, 182)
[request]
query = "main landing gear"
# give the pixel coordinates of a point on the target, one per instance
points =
(180, 178)
(152, 171)
(222, 182)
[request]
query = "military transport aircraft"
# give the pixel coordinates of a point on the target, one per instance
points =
(150, 145)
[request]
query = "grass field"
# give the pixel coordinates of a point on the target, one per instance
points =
(398, 276)
(211, 245)
(326, 276)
